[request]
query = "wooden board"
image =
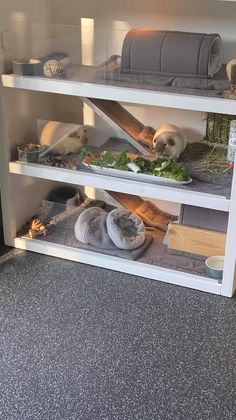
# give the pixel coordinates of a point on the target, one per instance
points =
(196, 241)
(147, 210)
(126, 121)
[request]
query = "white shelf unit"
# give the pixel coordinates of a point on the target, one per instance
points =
(137, 188)
(32, 174)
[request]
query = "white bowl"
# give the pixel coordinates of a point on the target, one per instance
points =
(214, 267)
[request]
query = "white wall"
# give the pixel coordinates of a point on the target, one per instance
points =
(189, 15)
(114, 18)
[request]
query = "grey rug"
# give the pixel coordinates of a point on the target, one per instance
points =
(78, 342)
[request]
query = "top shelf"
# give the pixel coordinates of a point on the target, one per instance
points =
(122, 94)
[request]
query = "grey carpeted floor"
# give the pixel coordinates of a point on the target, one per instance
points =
(78, 342)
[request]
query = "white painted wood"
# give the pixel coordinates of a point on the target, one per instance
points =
(121, 94)
(229, 277)
(120, 264)
(143, 189)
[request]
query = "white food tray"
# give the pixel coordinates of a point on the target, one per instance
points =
(135, 176)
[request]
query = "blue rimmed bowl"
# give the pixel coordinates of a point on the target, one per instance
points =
(214, 267)
(30, 152)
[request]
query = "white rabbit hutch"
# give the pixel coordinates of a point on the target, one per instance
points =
(76, 63)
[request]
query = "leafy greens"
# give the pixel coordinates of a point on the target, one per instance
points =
(163, 168)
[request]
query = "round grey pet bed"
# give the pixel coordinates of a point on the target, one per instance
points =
(120, 228)
(171, 53)
(125, 229)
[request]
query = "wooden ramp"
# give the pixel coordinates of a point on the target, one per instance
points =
(139, 135)
(147, 210)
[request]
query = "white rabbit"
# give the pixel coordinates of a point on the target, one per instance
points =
(169, 141)
(62, 138)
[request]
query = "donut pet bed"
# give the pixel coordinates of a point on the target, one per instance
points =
(120, 229)
(125, 229)
(171, 53)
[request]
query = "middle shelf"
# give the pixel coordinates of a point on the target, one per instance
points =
(184, 194)
(127, 94)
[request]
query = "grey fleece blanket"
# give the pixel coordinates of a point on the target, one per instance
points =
(133, 255)
(203, 218)
(63, 232)
(153, 251)
(111, 71)
(110, 75)
(171, 53)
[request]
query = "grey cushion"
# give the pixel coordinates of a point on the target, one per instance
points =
(118, 229)
(171, 53)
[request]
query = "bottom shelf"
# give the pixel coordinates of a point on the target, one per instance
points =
(119, 264)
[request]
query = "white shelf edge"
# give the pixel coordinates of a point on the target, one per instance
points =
(118, 264)
(121, 185)
(122, 94)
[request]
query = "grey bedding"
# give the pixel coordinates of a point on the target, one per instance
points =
(112, 76)
(203, 218)
(112, 71)
(165, 61)
(153, 251)
(171, 53)
(64, 231)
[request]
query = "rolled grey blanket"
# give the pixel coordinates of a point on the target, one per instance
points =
(118, 229)
(171, 53)
(90, 228)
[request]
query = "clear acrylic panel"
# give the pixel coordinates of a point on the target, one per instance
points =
(94, 54)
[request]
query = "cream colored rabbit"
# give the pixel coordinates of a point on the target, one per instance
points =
(169, 141)
(63, 138)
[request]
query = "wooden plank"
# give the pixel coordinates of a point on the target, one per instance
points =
(152, 215)
(125, 121)
(196, 241)
(118, 130)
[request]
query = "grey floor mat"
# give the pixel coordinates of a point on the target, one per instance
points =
(83, 343)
